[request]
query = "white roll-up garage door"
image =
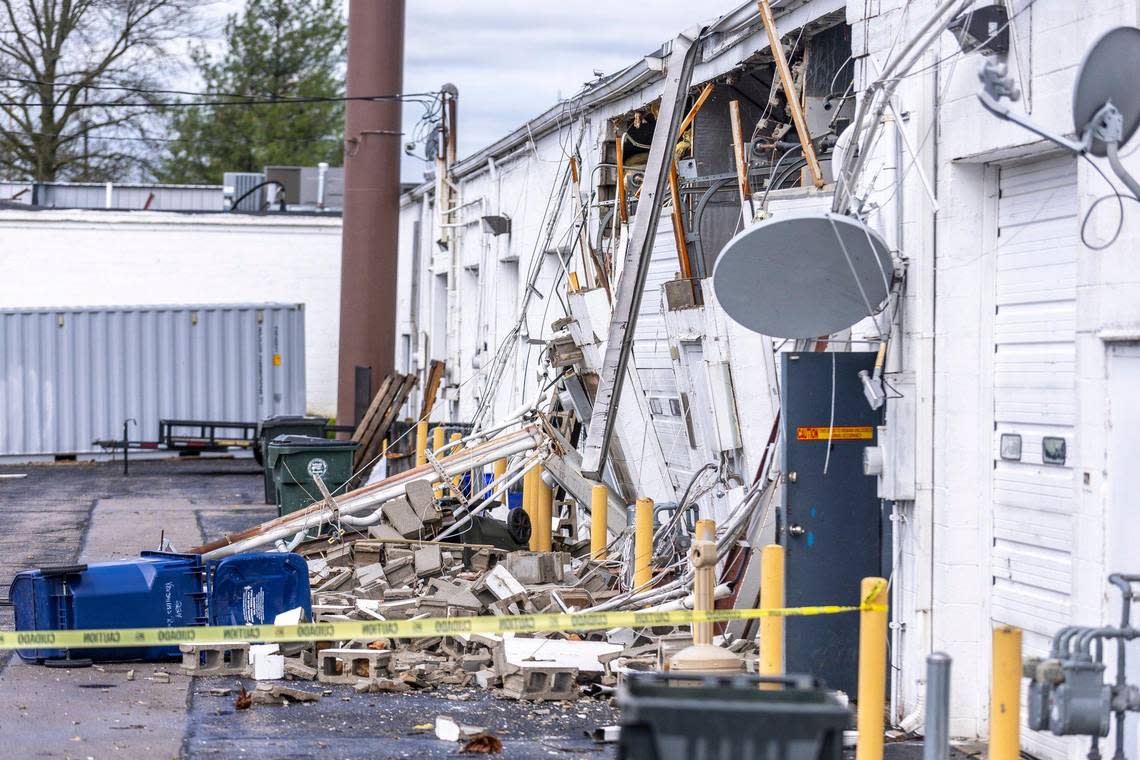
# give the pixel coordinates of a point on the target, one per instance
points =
(1035, 405)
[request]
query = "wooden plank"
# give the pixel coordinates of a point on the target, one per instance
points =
(374, 408)
(369, 435)
(435, 376)
(790, 92)
(401, 389)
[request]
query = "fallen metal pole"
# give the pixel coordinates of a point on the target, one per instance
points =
(368, 498)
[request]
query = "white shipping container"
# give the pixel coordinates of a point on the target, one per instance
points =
(71, 376)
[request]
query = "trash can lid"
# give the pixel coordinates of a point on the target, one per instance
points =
(284, 419)
(295, 441)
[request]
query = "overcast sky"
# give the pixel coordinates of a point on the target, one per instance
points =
(512, 59)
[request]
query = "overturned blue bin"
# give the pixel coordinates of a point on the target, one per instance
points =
(157, 590)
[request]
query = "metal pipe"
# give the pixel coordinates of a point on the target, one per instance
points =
(499, 488)
(937, 739)
(371, 195)
(371, 496)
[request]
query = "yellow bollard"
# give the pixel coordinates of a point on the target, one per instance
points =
(771, 597)
(1005, 694)
(455, 481)
(436, 440)
(872, 670)
(529, 498)
(543, 510)
(703, 632)
(643, 543)
(421, 442)
(500, 469)
(599, 504)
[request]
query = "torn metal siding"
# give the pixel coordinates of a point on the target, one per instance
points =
(71, 376)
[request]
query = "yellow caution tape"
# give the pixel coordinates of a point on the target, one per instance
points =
(396, 629)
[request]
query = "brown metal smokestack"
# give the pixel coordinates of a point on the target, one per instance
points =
(371, 202)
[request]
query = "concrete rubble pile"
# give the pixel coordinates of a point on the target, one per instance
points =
(394, 573)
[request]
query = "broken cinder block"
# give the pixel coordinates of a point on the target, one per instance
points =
(214, 659)
(350, 665)
(541, 683)
(400, 516)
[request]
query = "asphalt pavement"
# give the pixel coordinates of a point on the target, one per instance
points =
(59, 514)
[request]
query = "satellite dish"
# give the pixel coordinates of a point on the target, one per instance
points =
(1108, 75)
(1106, 102)
(803, 275)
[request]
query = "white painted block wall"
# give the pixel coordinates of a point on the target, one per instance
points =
(97, 258)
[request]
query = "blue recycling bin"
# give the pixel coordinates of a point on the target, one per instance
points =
(252, 589)
(157, 590)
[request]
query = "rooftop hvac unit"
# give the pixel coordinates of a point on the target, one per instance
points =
(240, 191)
(322, 193)
(290, 179)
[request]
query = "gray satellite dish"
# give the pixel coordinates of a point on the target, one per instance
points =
(1108, 75)
(1106, 100)
(803, 275)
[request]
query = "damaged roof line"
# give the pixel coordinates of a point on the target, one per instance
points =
(722, 37)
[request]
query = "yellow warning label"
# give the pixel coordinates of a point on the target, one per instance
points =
(400, 629)
(277, 360)
(834, 434)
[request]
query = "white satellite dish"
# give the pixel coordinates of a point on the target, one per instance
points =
(803, 275)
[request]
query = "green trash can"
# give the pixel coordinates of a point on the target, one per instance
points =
(296, 459)
(286, 424)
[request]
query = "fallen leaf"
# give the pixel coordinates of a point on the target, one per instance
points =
(244, 700)
(483, 744)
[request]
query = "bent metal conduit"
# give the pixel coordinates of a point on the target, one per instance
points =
(368, 498)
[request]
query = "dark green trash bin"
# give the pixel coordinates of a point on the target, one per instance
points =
(286, 424)
(296, 459)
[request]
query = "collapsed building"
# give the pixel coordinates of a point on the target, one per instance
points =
(986, 485)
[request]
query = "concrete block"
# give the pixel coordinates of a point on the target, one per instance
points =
(383, 531)
(370, 573)
(428, 561)
(214, 659)
(295, 668)
(453, 593)
(400, 572)
(365, 553)
(538, 682)
(400, 516)
(500, 582)
(266, 663)
(421, 498)
(531, 568)
(350, 665)
(487, 679)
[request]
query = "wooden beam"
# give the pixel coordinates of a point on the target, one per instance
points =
(435, 376)
(623, 206)
(739, 155)
(679, 223)
(790, 92)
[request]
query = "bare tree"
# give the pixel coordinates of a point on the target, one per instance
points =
(78, 83)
